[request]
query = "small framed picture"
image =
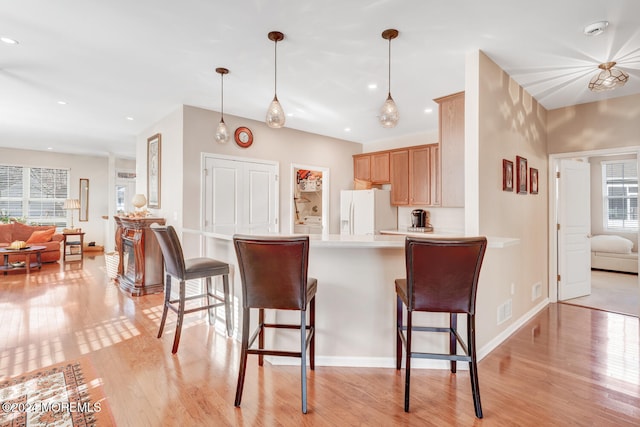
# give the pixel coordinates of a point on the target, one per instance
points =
(533, 181)
(521, 181)
(507, 175)
(153, 171)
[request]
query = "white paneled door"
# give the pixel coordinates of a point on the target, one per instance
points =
(240, 195)
(574, 219)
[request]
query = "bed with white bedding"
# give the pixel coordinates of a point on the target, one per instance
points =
(609, 252)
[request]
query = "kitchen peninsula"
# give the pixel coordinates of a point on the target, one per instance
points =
(355, 303)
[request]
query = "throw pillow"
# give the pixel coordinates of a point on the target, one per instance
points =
(41, 236)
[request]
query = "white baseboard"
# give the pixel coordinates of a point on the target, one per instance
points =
(500, 338)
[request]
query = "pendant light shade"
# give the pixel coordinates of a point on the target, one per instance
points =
(389, 113)
(609, 78)
(222, 133)
(275, 113)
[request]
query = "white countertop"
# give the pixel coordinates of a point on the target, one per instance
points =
(388, 238)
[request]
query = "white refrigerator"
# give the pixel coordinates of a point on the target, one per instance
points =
(367, 211)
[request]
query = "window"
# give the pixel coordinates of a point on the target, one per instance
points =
(620, 195)
(34, 194)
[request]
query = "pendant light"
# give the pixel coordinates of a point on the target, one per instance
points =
(275, 113)
(222, 133)
(609, 78)
(389, 112)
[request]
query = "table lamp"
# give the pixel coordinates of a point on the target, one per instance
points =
(71, 204)
(138, 201)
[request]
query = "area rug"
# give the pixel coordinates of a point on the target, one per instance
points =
(65, 395)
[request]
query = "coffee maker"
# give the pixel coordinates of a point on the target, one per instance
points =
(420, 221)
(418, 218)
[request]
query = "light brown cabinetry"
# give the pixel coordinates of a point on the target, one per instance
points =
(362, 167)
(414, 175)
(373, 167)
(451, 126)
(380, 168)
(399, 160)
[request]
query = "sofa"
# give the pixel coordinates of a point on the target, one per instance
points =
(18, 231)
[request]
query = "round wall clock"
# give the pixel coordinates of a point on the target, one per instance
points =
(243, 137)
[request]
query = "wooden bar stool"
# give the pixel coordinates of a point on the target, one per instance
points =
(442, 276)
(274, 276)
(183, 270)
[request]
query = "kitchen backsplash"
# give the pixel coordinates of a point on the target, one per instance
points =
(443, 220)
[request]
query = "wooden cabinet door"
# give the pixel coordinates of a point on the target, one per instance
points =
(435, 174)
(419, 176)
(380, 168)
(399, 169)
(452, 149)
(362, 167)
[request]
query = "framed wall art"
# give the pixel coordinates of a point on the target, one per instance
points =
(83, 195)
(507, 175)
(533, 181)
(154, 164)
(521, 174)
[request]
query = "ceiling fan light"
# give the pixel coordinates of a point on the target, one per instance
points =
(275, 114)
(389, 113)
(608, 79)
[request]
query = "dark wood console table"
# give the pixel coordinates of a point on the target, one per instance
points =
(140, 266)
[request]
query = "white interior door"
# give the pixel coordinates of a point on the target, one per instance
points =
(574, 219)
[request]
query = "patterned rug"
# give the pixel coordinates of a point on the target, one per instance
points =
(66, 395)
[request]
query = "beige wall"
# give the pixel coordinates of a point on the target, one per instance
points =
(93, 168)
(171, 170)
(502, 121)
(596, 125)
(189, 131)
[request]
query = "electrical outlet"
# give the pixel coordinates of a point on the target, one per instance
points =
(513, 289)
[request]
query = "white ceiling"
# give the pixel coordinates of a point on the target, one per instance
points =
(109, 60)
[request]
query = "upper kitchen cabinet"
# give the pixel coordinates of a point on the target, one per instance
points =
(399, 160)
(413, 176)
(373, 167)
(452, 149)
(362, 167)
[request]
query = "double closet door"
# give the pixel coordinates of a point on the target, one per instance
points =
(240, 195)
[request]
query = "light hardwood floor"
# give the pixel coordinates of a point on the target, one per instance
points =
(567, 366)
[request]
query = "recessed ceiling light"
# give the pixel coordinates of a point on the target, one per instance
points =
(428, 110)
(596, 28)
(62, 102)
(129, 118)
(8, 40)
(49, 148)
(372, 86)
(347, 129)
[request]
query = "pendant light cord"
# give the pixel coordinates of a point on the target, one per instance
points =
(275, 67)
(221, 96)
(389, 93)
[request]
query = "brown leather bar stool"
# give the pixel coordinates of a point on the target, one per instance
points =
(188, 269)
(442, 276)
(274, 276)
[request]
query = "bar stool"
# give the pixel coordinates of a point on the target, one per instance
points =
(183, 270)
(274, 276)
(442, 276)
